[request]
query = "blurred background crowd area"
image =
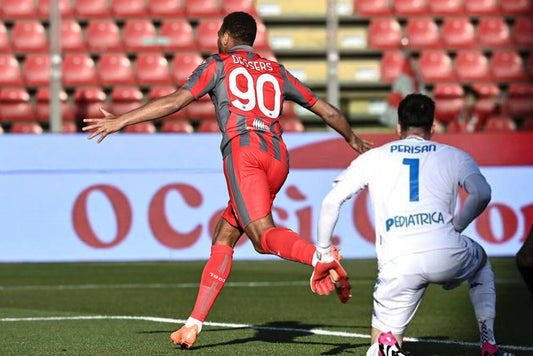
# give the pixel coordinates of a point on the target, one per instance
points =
(474, 57)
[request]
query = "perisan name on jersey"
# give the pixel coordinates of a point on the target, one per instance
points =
(405, 221)
(413, 149)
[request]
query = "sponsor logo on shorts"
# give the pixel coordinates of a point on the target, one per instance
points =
(413, 220)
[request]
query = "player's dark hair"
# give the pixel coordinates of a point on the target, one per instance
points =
(241, 27)
(416, 110)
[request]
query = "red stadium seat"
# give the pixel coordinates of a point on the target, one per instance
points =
(72, 37)
(261, 39)
(139, 35)
(36, 69)
(9, 67)
(5, 43)
(17, 9)
(229, 6)
(42, 105)
(500, 124)
(30, 127)
(207, 34)
(529, 65)
(410, 7)
(523, 32)
(372, 8)
(201, 8)
(114, 69)
(384, 33)
(486, 90)
(422, 33)
(436, 66)
(292, 125)
(128, 8)
(68, 127)
(151, 68)
(146, 127)
(516, 7)
(85, 9)
(29, 36)
(159, 91)
(449, 101)
(472, 65)
(507, 65)
(43, 9)
(183, 64)
(458, 32)
(201, 109)
(208, 126)
(481, 7)
(527, 124)
(87, 102)
(78, 69)
(165, 8)
(520, 99)
(288, 110)
(103, 35)
(176, 126)
(493, 32)
(446, 7)
(15, 105)
(392, 63)
(124, 99)
(176, 34)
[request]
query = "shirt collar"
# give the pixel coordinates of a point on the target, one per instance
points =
(245, 47)
(415, 137)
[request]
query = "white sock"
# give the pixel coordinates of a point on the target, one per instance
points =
(373, 350)
(192, 321)
(483, 299)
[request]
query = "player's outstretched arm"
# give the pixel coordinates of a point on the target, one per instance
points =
(337, 121)
(479, 194)
(152, 110)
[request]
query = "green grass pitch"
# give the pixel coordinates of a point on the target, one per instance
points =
(266, 308)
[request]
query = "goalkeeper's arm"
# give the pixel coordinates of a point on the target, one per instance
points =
(479, 195)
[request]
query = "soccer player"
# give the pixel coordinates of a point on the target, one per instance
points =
(413, 184)
(248, 93)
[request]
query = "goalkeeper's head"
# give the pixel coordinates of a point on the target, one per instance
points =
(238, 28)
(415, 115)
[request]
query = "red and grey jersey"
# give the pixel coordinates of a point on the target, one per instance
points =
(248, 93)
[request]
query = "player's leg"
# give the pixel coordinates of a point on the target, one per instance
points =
(215, 274)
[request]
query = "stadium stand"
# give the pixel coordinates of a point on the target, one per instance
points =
(500, 124)
(139, 35)
(17, 9)
(422, 33)
(405, 8)
(228, 6)
(124, 99)
(15, 105)
(202, 8)
(165, 8)
(42, 105)
(206, 34)
(458, 32)
(78, 69)
(523, 32)
(176, 35)
(176, 126)
(208, 126)
(384, 33)
(152, 68)
(65, 9)
(481, 7)
(123, 9)
(114, 69)
(472, 65)
(87, 102)
(392, 63)
(516, 7)
(36, 69)
(29, 36)
(507, 65)
(29, 127)
(103, 35)
(373, 8)
(436, 66)
(9, 67)
(5, 42)
(89, 9)
(146, 127)
(183, 63)
(72, 36)
(449, 101)
(493, 32)
(520, 99)
(446, 7)
(292, 125)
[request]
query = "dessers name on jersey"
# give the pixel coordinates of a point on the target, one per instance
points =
(257, 65)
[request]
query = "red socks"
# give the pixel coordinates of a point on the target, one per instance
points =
(287, 244)
(216, 271)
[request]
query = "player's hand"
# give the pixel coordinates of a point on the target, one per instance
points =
(329, 275)
(360, 145)
(102, 126)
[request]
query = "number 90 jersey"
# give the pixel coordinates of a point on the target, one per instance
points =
(248, 93)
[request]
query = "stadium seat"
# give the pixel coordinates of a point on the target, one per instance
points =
(208, 126)
(292, 125)
(499, 124)
(5, 43)
(87, 9)
(520, 99)
(78, 69)
(384, 33)
(446, 7)
(72, 36)
(87, 102)
(183, 64)
(202, 108)
(114, 69)
(288, 111)
(29, 127)
(371, 8)
(15, 105)
(410, 7)
(165, 8)
(207, 34)
(124, 99)
(449, 101)
(103, 35)
(36, 69)
(527, 124)
(436, 66)
(458, 32)
(422, 33)
(146, 127)
(472, 65)
(68, 127)
(516, 7)
(201, 8)
(523, 32)
(392, 63)
(261, 39)
(229, 6)
(42, 105)
(176, 34)
(176, 126)
(486, 90)
(65, 9)
(159, 91)
(481, 7)
(17, 9)
(29, 36)
(151, 68)
(493, 32)
(9, 67)
(121, 9)
(139, 35)
(529, 65)
(507, 65)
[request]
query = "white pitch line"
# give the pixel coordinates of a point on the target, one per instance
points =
(255, 327)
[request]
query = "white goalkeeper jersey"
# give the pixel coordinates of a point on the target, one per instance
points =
(413, 186)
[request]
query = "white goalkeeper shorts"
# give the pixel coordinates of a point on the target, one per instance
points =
(401, 283)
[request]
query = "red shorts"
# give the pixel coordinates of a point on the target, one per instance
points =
(254, 177)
